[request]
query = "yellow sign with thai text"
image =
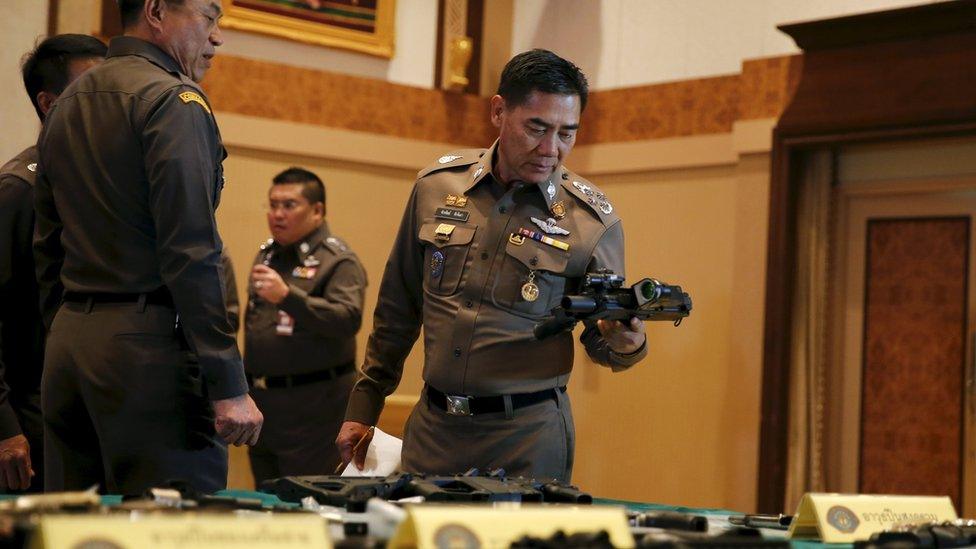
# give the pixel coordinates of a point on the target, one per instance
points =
(841, 518)
(437, 526)
(183, 531)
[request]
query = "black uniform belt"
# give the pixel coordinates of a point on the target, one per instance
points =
(159, 296)
(278, 382)
(459, 405)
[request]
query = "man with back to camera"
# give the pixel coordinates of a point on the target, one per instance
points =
(130, 177)
(47, 70)
(305, 307)
(488, 244)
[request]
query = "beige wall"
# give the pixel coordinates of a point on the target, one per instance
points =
(21, 23)
(680, 428)
(620, 43)
(683, 427)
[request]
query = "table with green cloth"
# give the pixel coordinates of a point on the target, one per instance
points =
(270, 500)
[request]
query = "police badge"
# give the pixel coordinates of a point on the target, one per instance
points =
(436, 264)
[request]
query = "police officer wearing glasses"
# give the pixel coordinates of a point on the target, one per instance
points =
(304, 309)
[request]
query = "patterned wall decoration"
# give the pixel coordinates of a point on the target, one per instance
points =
(307, 96)
(914, 349)
(766, 86)
(689, 107)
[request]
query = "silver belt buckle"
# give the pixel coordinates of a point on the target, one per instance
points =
(458, 405)
(260, 382)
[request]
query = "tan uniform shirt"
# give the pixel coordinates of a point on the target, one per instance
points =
(465, 287)
(326, 289)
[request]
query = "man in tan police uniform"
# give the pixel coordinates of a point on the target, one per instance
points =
(304, 308)
(488, 244)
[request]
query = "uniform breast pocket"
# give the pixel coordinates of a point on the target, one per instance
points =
(532, 264)
(445, 257)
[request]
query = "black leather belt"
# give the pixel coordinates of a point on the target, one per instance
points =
(159, 296)
(459, 405)
(294, 380)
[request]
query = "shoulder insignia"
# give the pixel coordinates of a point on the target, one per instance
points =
(193, 97)
(453, 160)
(24, 166)
(592, 196)
(337, 244)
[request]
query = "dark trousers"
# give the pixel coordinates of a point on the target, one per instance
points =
(124, 405)
(536, 441)
(300, 427)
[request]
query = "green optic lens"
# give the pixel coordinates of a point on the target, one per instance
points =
(648, 290)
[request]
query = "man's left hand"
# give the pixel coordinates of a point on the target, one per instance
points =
(15, 463)
(267, 283)
(623, 339)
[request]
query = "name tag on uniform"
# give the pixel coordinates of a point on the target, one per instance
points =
(286, 324)
(452, 214)
(304, 272)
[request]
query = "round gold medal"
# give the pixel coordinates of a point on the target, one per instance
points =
(558, 210)
(530, 292)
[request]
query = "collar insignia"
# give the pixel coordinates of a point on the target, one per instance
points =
(458, 200)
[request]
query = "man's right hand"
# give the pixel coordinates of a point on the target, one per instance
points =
(238, 420)
(15, 464)
(350, 435)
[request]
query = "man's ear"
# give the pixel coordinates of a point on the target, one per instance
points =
(154, 12)
(45, 100)
(497, 108)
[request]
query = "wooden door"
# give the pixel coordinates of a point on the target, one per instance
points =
(899, 401)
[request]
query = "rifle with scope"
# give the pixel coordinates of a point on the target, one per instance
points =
(602, 297)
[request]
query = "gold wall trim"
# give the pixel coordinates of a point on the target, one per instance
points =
(307, 96)
(694, 151)
(293, 138)
(676, 109)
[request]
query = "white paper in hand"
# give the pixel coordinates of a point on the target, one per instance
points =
(382, 457)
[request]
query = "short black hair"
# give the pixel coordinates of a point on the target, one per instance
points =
(312, 187)
(46, 67)
(129, 10)
(541, 70)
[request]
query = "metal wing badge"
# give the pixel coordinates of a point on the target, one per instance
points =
(549, 226)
